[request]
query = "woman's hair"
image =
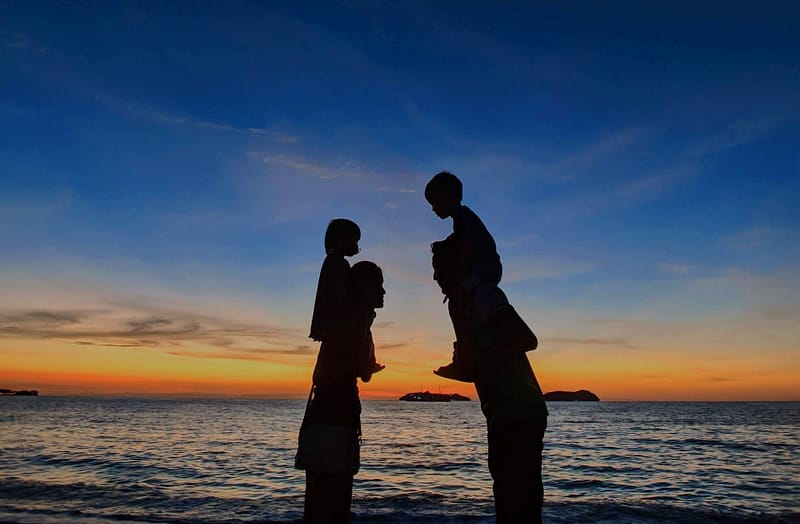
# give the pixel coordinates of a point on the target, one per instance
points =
(340, 229)
(363, 274)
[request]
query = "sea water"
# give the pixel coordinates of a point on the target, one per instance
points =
(93, 461)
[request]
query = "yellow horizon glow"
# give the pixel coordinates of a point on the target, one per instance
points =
(62, 369)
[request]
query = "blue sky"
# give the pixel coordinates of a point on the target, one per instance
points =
(638, 165)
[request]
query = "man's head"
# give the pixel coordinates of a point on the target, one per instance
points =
(444, 193)
(366, 284)
(445, 263)
(341, 237)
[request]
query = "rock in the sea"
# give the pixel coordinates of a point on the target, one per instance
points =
(27, 393)
(571, 396)
(20, 393)
(427, 396)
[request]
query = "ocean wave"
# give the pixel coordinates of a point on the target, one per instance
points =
(408, 510)
(96, 461)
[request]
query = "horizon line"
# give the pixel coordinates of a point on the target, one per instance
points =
(201, 396)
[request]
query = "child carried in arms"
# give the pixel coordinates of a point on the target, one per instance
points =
(330, 306)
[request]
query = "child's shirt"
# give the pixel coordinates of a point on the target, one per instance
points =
(477, 250)
(331, 296)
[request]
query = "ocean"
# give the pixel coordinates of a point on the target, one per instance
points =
(125, 460)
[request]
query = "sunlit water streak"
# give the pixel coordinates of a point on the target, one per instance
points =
(92, 461)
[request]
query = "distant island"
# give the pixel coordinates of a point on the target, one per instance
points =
(427, 396)
(571, 396)
(20, 393)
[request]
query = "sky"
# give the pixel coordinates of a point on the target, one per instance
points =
(167, 171)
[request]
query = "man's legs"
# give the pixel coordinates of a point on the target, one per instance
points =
(515, 463)
(328, 498)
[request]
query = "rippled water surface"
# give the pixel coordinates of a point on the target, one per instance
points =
(94, 461)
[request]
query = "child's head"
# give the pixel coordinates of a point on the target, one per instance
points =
(366, 284)
(445, 263)
(341, 237)
(444, 193)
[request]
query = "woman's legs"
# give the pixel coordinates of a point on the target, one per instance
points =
(328, 495)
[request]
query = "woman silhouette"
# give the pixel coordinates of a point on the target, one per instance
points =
(331, 428)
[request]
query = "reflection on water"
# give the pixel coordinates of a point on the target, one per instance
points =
(231, 460)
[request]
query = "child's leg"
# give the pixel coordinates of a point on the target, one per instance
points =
(463, 365)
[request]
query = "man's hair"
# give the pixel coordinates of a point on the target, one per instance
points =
(362, 274)
(444, 182)
(339, 229)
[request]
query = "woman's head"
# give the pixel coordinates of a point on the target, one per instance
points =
(366, 284)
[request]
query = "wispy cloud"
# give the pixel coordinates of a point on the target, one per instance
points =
(521, 268)
(17, 41)
(166, 117)
(676, 269)
(723, 379)
(753, 238)
(138, 326)
(515, 241)
(401, 190)
(590, 341)
(341, 168)
(739, 133)
(25, 209)
(571, 164)
(638, 189)
(651, 184)
(22, 41)
(182, 120)
(587, 157)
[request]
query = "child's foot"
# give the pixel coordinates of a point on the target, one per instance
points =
(455, 372)
(462, 368)
(367, 376)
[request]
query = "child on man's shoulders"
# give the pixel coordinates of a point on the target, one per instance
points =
(473, 274)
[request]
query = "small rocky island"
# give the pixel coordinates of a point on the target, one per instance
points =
(427, 396)
(20, 393)
(571, 396)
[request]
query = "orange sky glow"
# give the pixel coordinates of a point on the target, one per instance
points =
(57, 369)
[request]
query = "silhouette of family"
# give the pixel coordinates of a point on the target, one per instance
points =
(489, 351)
